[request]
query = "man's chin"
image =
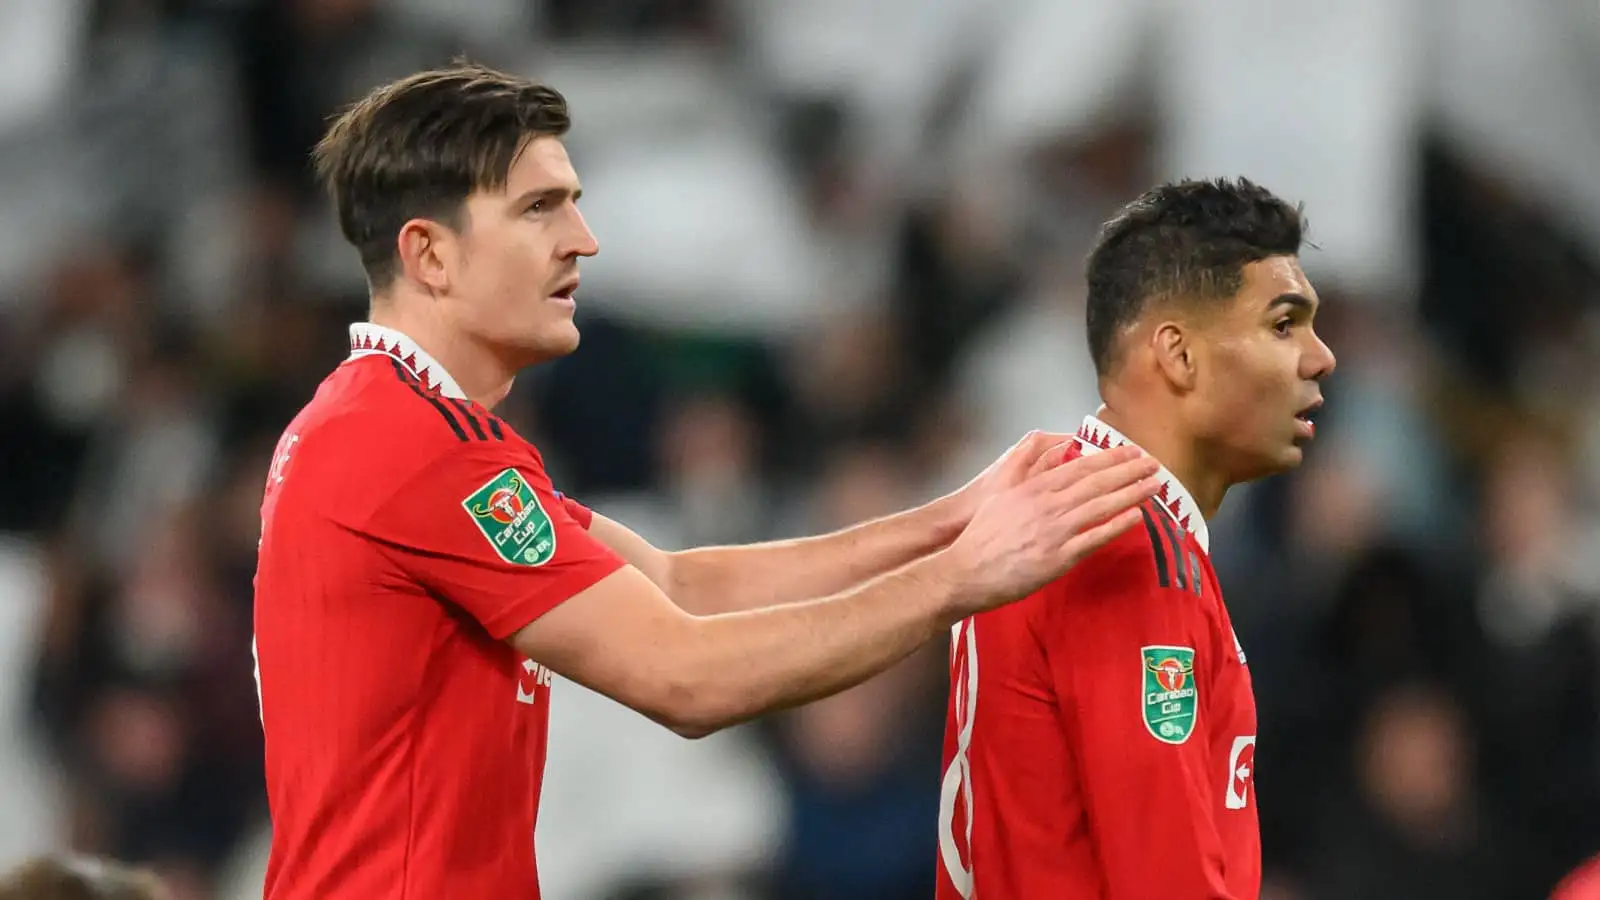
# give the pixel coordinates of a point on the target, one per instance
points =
(550, 344)
(1291, 457)
(1287, 458)
(565, 339)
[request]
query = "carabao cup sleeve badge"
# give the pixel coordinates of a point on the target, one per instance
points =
(1169, 694)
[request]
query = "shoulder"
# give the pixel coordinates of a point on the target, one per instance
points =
(374, 408)
(1134, 560)
(374, 434)
(1148, 570)
(1122, 571)
(393, 400)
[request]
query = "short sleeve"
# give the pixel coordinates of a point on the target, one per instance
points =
(483, 528)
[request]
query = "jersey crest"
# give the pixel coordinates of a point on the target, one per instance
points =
(1169, 693)
(511, 518)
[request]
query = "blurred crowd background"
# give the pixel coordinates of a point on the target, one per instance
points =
(840, 270)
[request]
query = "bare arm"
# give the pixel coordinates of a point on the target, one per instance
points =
(711, 580)
(624, 638)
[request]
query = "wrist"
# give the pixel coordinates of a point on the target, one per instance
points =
(948, 587)
(943, 520)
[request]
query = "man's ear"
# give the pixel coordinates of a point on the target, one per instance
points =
(1173, 344)
(429, 253)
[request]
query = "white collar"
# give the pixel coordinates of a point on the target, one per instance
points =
(367, 339)
(1095, 435)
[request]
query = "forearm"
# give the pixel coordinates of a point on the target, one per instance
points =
(740, 665)
(713, 580)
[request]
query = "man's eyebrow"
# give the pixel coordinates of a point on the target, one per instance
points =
(1295, 300)
(549, 194)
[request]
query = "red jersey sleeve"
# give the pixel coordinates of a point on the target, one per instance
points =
(581, 514)
(482, 527)
(1129, 660)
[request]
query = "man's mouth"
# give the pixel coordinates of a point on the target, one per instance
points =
(1305, 419)
(565, 291)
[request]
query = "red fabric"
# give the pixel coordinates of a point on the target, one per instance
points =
(1055, 784)
(1582, 884)
(579, 513)
(405, 740)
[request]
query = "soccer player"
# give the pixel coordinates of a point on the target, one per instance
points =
(420, 578)
(1101, 733)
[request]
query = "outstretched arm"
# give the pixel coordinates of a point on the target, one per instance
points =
(623, 638)
(712, 580)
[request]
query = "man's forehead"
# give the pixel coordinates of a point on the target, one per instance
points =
(542, 165)
(1275, 276)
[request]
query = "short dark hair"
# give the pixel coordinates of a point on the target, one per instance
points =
(1186, 239)
(419, 146)
(70, 877)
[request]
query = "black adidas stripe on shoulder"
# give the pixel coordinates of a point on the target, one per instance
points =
(1179, 557)
(1173, 560)
(466, 413)
(496, 428)
(476, 420)
(410, 381)
(1156, 543)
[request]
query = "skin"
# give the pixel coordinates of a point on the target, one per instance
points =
(706, 638)
(1214, 391)
(486, 295)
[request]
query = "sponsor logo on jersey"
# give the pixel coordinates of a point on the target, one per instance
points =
(511, 518)
(1169, 692)
(534, 677)
(1241, 771)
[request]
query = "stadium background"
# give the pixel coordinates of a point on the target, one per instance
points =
(840, 269)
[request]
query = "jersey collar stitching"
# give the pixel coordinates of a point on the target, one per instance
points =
(367, 339)
(1095, 435)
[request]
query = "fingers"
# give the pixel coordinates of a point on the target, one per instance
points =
(1068, 473)
(1086, 542)
(1048, 439)
(1053, 455)
(1034, 447)
(1109, 504)
(1098, 483)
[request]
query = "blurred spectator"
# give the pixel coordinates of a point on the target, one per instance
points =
(1537, 605)
(859, 764)
(78, 878)
(1414, 826)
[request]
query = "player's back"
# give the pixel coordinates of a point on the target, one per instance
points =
(403, 742)
(1090, 730)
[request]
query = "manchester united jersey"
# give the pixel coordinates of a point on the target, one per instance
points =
(1100, 741)
(406, 534)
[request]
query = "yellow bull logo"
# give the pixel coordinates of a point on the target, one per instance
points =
(504, 505)
(1171, 673)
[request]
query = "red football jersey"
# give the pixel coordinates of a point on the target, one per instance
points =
(406, 533)
(1101, 734)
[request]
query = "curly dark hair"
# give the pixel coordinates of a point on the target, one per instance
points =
(1187, 240)
(418, 146)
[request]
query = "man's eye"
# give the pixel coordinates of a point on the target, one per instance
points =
(536, 206)
(1283, 326)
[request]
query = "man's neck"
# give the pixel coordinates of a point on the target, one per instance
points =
(1173, 450)
(482, 377)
